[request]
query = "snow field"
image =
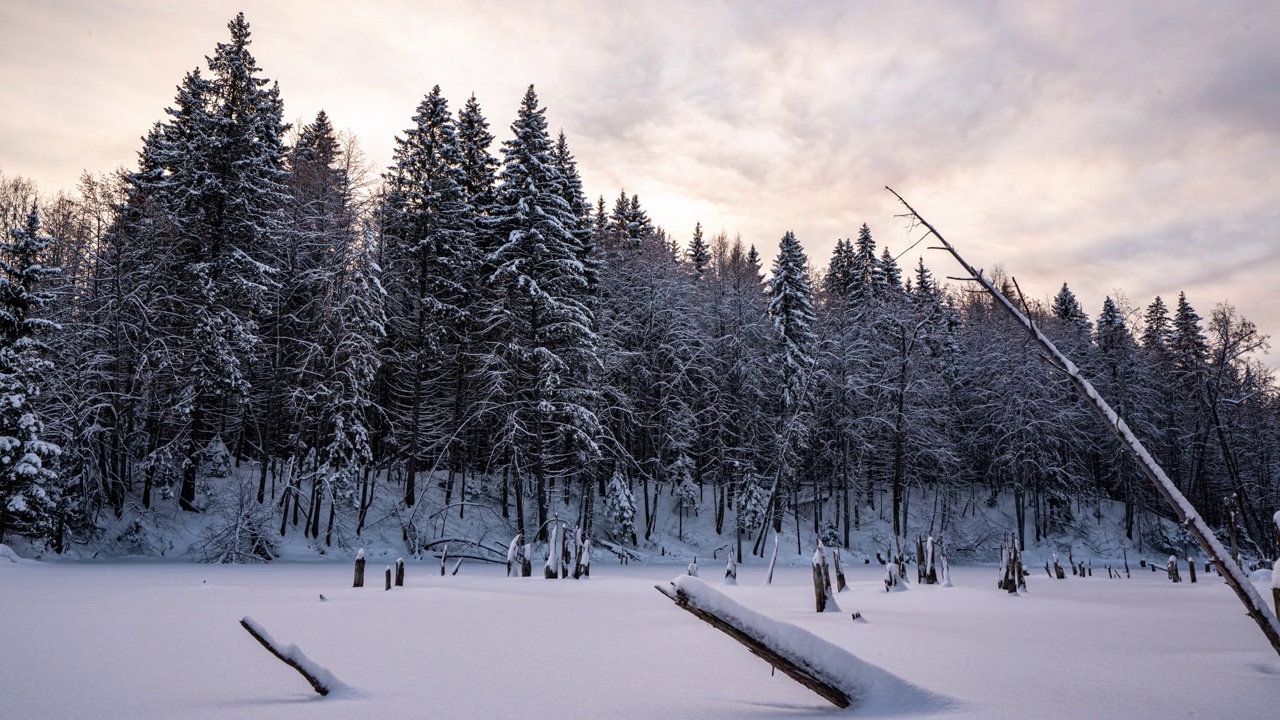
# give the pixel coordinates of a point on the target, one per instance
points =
(151, 640)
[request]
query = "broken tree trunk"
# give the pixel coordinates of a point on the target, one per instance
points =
(731, 570)
(399, 572)
(773, 560)
(359, 579)
(765, 646)
(841, 585)
(1186, 514)
(823, 597)
(321, 680)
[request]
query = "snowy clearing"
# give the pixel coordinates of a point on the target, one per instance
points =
(152, 640)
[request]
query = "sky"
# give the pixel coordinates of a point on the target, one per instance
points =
(1124, 148)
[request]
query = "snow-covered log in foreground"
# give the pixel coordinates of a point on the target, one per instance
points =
(320, 678)
(825, 668)
(1231, 572)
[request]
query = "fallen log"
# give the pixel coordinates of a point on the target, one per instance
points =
(322, 681)
(694, 599)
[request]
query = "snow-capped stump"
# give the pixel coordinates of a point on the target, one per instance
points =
(1191, 568)
(582, 570)
(824, 600)
(693, 567)
(837, 675)
(1172, 568)
(731, 570)
(399, 572)
(893, 578)
(320, 678)
(359, 580)
(551, 569)
(388, 578)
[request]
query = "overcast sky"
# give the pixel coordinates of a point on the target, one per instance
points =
(1130, 146)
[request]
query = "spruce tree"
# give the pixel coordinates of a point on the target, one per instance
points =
(28, 481)
(1156, 330)
(429, 262)
(479, 167)
(541, 346)
(698, 253)
(791, 307)
(210, 193)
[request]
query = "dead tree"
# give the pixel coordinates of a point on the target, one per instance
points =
(1126, 562)
(841, 585)
(1182, 509)
(919, 561)
(359, 581)
(930, 563)
(388, 587)
(399, 572)
(444, 558)
(824, 598)
(773, 560)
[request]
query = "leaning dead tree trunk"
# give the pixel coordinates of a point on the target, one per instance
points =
(1253, 603)
(733, 620)
(321, 680)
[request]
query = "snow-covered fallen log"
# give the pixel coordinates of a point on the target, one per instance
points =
(320, 678)
(823, 667)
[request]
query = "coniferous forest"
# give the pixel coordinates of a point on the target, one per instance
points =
(253, 325)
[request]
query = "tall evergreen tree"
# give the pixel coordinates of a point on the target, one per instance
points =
(698, 254)
(542, 344)
(212, 186)
(28, 481)
(428, 262)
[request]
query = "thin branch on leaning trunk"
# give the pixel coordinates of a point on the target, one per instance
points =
(1254, 605)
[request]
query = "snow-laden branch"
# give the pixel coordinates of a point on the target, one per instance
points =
(320, 678)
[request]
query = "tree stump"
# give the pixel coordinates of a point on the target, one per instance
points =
(359, 581)
(841, 585)
(1191, 568)
(822, 595)
(1172, 569)
(388, 577)
(919, 561)
(399, 572)
(731, 570)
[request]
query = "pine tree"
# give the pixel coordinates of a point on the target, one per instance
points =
(28, 481)
(1067, 308)
(791, 307)
(892, 273)
(210, 193)
(429, 263)
(1156, 330)
(698, 253)
(542, 346)
(620, 506)
(479, 167)
(839, 278)
(1188, 345)
(866, 269)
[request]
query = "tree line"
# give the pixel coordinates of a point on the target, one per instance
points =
(251, 295)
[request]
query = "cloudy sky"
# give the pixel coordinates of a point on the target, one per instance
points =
(1130, 146)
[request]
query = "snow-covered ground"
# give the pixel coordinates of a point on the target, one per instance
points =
(162, 640)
